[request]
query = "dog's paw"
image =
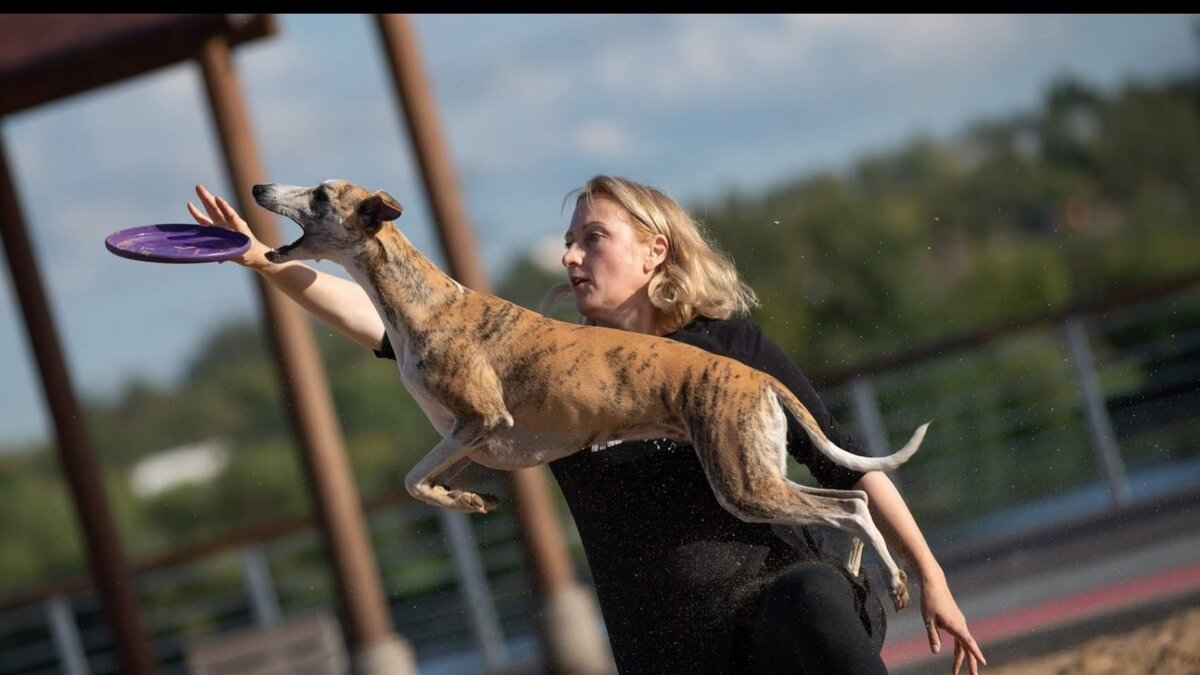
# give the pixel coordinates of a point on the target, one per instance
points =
(490, 502)
(434, 495)
(471, 502)
(900, 590)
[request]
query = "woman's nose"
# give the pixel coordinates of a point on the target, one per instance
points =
(571, 256)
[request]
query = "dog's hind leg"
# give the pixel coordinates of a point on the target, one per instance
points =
(854, 516)
(786, 503)
(855, 560)
(741, 451)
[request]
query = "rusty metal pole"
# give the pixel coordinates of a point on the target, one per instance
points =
(568, 626)
(111, 573)
(378, 649)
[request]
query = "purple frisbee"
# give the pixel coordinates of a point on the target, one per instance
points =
(177, 243)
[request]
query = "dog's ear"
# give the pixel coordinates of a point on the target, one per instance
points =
(378, 209)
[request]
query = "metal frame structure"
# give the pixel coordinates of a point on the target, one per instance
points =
(44, 58)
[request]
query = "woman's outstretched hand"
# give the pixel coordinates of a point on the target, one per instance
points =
(941, 612)
(221, 214)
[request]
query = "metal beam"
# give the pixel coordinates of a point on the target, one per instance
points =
(568, 619)
(109, 568)
(378, 648)
(47, 57)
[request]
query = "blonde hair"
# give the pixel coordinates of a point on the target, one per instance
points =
(695, 279)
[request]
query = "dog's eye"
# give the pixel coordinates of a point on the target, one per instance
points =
(320, 196)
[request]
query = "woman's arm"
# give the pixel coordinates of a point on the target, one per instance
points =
(938, 606)
(342, 304)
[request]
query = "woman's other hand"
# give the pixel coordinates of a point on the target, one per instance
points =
(941, 612)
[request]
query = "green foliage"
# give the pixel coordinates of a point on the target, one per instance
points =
(39, 530)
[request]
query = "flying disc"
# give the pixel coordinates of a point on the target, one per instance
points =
(178, 243)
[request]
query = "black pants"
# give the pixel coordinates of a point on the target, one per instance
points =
(811, 620)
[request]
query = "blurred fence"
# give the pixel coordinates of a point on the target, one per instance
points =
(1055, 418)
(460, 615)
(1049, 419)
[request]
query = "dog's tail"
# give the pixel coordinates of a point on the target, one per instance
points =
(833, 452)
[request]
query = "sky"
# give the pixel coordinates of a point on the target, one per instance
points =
(531, 106)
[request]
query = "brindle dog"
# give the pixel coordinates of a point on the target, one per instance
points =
(510, 388)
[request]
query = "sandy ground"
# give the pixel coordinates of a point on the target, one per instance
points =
(1168, 647)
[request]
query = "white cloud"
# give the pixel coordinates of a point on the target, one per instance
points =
(523, 107)
(624, 89)
(688, 56)
(72, 247)
(534, 84)
(605, 140)
(911, 43)
(289, 89)
(680, 58)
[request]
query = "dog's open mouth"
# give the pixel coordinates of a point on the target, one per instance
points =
(279, 254)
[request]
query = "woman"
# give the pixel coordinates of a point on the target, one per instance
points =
(683, 585)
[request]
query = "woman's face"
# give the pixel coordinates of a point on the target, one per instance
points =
(607, 266)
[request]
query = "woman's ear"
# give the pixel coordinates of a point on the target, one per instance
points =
(656, 252)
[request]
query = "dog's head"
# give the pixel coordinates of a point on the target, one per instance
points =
(337, 217)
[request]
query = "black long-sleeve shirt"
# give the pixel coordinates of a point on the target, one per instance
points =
(674, 571)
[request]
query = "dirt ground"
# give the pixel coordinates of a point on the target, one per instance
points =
(1168, 647)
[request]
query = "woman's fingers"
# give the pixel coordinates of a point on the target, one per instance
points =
(197, 216)
(942, 613)
(961, 655)
(227, 210)
(967, 642)
(966, 649)
(231, 217)
(220, 212)
(973, 647)
(965, 646)
(209, 203)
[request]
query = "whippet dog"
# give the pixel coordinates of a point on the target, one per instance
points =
(509, 388)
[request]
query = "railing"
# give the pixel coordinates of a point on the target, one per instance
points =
(1051, 418)
(457, 587)
(1056, 417)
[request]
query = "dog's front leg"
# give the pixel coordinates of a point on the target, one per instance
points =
(448, 458)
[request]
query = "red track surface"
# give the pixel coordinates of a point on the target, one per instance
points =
(1053, 612)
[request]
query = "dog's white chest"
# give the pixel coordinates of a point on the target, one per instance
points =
(413, 380)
